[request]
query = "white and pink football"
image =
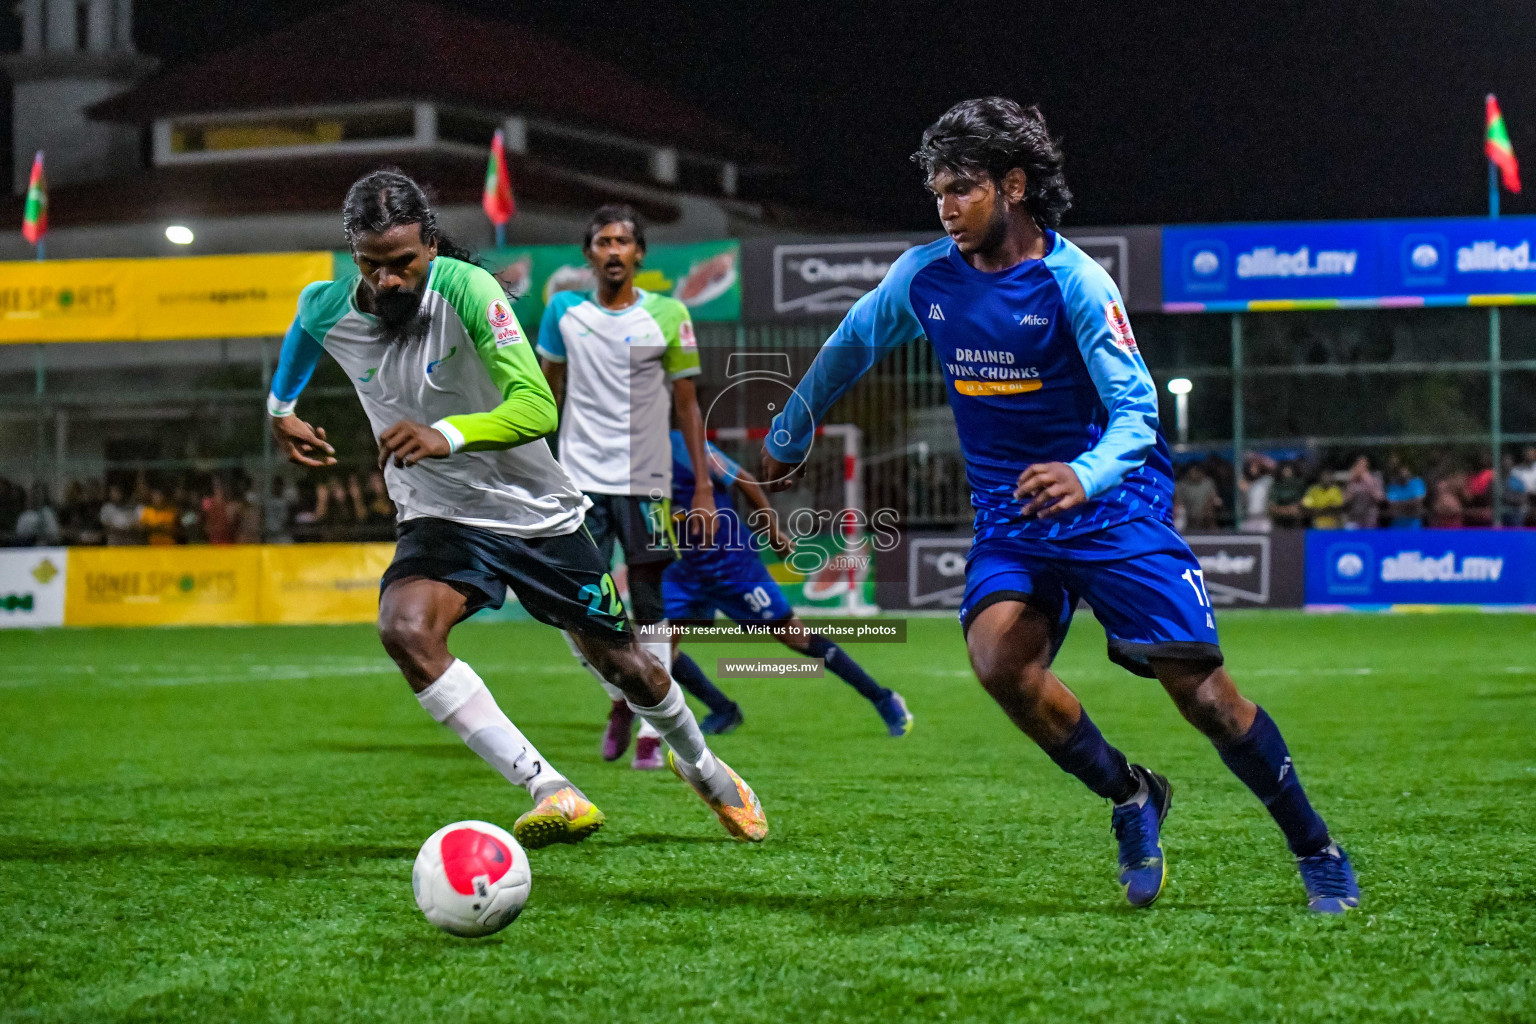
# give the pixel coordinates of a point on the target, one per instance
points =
(471, 878)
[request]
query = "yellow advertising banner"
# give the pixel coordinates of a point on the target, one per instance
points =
(307, 583)
(240, 585)
(162, 586)
(155, 299)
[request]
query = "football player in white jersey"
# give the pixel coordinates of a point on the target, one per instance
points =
(461, 411)
(622, 358)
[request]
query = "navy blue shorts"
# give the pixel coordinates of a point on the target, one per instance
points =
(736, 583)
(562, 581)
(1143, 583)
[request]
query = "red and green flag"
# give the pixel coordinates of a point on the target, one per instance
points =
(497, 198)
(34, 218)
(1498, 147)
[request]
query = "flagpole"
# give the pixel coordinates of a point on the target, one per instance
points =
(1495, 375)
(501, 236)
(39, 248)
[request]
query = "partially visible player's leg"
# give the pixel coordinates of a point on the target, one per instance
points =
(645, 533)
(415, 615)
(1250, 744)
(1148, 590)
(1011, 641)
(888, 703)
(563, 581)
(686, 603)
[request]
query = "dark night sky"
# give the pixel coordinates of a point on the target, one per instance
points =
(1193, 111)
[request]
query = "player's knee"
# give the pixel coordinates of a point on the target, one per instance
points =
(409, 638)
(634, 671)
(1209, 701)
(1008, 678)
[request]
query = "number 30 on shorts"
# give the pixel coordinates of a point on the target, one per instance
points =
(757, 599)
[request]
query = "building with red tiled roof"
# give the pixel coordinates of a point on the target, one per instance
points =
(253, 147)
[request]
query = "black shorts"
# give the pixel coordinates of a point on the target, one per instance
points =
(562, 581)
(642, 527)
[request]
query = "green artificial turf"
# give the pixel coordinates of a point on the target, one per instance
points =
(219, 824)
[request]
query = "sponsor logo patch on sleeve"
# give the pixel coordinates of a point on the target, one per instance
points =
(685, 335)
(1119, 325)
(503, 323)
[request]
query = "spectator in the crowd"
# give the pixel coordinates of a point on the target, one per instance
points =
(38, 524)
(1479, 493)
(1257, 481)
(1195, 496)
(13, 501)
(218, 521)
(1525, 470)
(1514, 499)
(275, 513)
(80, 517)
(245, 511)
(158, 519)
(1447, 501)
(1405, 498)
(1285, 510)
(1363, 495)
(119, 518)
(379, 505)
(189, 514)
(1323, 503)
(1219, 472)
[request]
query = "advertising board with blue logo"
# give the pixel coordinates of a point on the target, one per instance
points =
(1342, 264)
(1386, 568)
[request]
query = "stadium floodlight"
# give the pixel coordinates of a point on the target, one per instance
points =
(1180, 387)
(178, 234)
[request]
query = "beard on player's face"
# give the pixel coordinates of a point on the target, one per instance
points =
(400, 316)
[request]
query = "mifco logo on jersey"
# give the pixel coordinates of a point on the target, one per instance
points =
(1030, 319)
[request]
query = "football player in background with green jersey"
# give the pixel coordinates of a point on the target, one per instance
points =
(622, 358)
(461, 411)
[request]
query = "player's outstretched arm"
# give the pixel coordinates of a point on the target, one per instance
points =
(300, 442)
(527, 411)
(880, 321)
(1123, 382)
(764, 514)
(701, 514)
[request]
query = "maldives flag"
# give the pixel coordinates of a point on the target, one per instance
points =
(497, 198)
(34, 218)
(1496, 145)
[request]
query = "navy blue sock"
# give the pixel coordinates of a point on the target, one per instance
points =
(1260, 759)
(1100, 766)
(692, 679)
(845, 668)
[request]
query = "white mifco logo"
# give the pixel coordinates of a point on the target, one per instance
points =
(1031, 320)
(935, 313)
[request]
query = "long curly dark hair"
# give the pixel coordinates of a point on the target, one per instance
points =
(387, 198)
(994, 134)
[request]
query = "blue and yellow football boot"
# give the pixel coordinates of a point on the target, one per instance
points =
(1138, 830)
(1330, 881)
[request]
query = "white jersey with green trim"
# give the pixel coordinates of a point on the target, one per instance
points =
(463, 376)
(615, 428)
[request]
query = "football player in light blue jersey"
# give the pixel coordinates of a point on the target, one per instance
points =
(1070, 478)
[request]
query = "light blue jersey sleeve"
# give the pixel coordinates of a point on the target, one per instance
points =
(721, 466)
(882, 320)
(551, 342)
(1103, 332)
(295, 365)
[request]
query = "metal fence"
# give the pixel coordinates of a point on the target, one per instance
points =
(1419, 383)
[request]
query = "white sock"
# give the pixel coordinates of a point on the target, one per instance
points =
(613, 692)
(674, 721)
(458, 699)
